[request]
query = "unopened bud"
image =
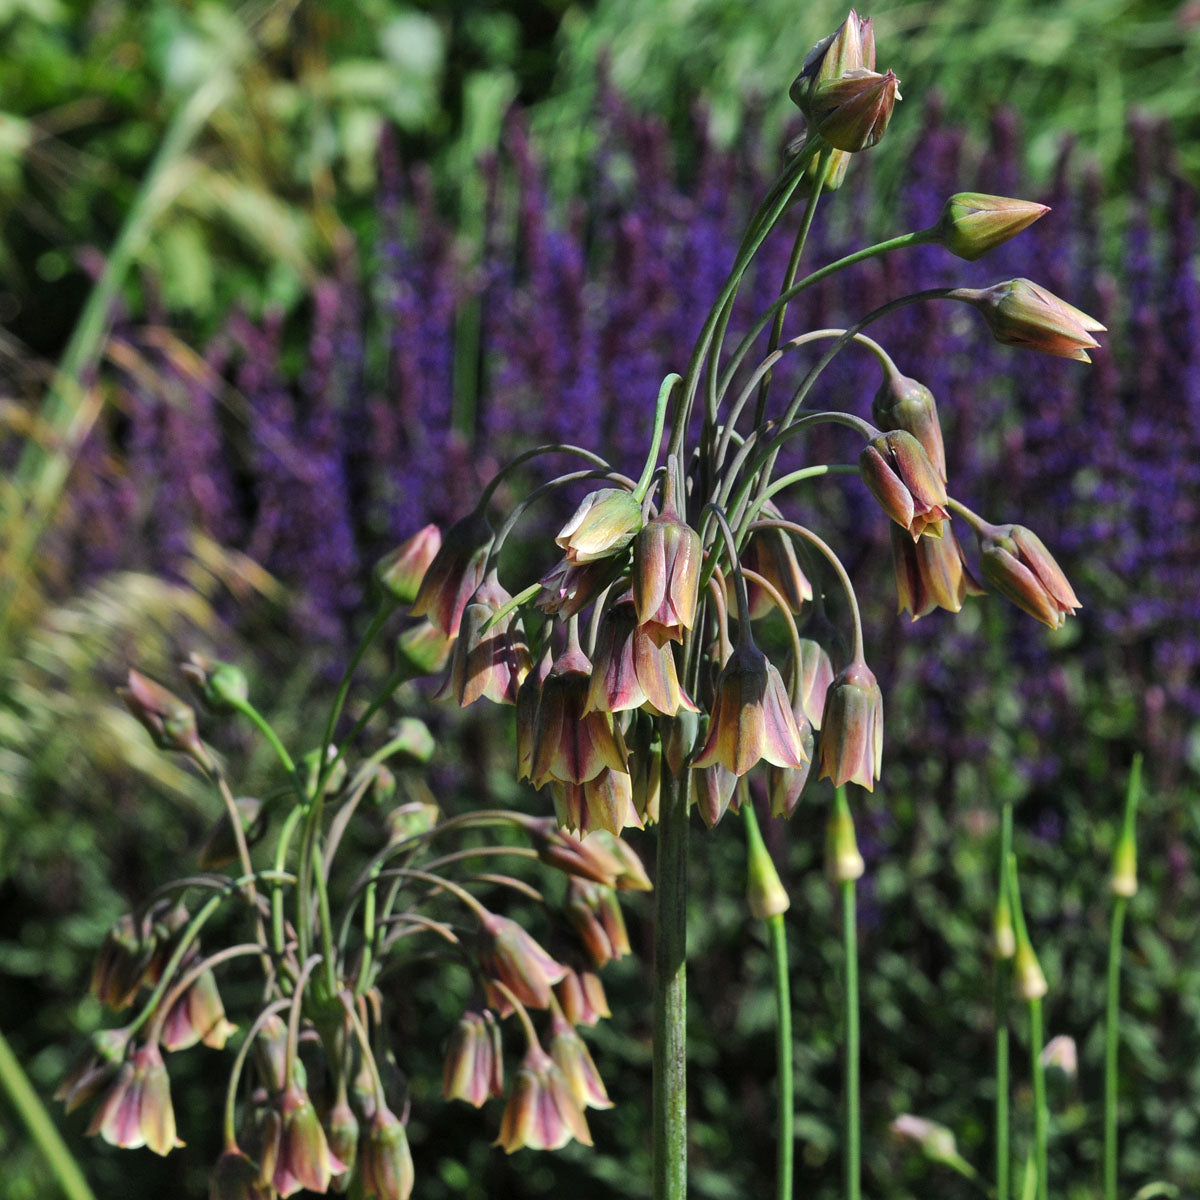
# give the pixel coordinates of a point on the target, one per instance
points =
(170, 722)
(972, 223)
(1027, 972)
(852, 113)
(221, 685)
(843, 861)
(1004, 940)
(604, 524)
(400, 573)
(765, 893)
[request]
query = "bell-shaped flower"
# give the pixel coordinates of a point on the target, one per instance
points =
(666, 576)
(771, 554)
(580, 995)
(896, 469)
(568, 587)
(455, 573)
(489, 664)
(121, 963)
(236, 1176)
(814, 674)
(386, 1165)
(571, 744)
(1020, 313)
(785, 785)
(630, 669)
(401, 572)
(136, 1109)
(930, 573)
(304, 1159)
(1017, 565)
(973, 223)
(198, 1015)
(603, 525)
(542, 1112)
(851, 742)
(904, 403)
(751, 716)
(511, 956)
(474, 1067)
(568, 1050)
(594, 912)
(602, 804)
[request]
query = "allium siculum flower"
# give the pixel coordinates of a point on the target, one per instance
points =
(474, 1066)
(529, 696)
(236, 1176)
(580, 995)
(851, 742)
(170, 722)
(198, 1015)
(595, 914)
(896, 469)
(712, 792)
(602, 804)
(603, 525)
(930, 573)
(342, 1130)
(568, 1050)
(422, 649)
(569, 587)
(94, 1068)
(454, 574)
(270, 1053)
(1016, 564)
(136, 1110)
(785, 785)
(814, 674)
(751, 717)
(631, 669)
(907, 404)
(972, 223)
(852, 112)
(121, 963)
(571, 744)
(771, 554)
(935, 1141)
(1020, 313)
(515, 959)
(542, 1112)
(400, 573)
(490, 665)
(645, 772)
(386, 1165)
(304, 1159)
(666, 575)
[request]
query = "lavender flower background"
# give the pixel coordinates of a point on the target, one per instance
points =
(314, 459)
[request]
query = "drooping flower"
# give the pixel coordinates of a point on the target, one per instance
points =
(542, 1112)
(571, 1055)
(605, 522)
(455, 573)
(136, 1110)
(930, 573)
(1016, 563)
(386, 1165)
(474, 1065)
(304, 1159)
(666, 576)
(1021, 313)
(896, 469)
(400, 573)
(510, 955)
(492, 664)
(198, 1015)
(851, 742)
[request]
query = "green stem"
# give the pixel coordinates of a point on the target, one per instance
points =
(670, 993)
(785, 1150)
(660, 420)
(853, 1151)
(1001, 1005)
(1041, 1131)
(1112, 1036)
(43, 468)
(41, 1128)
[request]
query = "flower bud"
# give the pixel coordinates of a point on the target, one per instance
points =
(401, 572)
(1061, 1054)
(220, 685)
(170, 722)
(852, 112)
(511, 956)
(270, 1053)
(771, 554)
(935, 1141)
(1016, 564)
(542, 1112)
(422, 649)
(580, 857)
(904, 403)
(712, 792)
(666, 576)
(645, 773)
(454, 574)
(341, 1130)
(972, 223)
(198, 1015)
(386, 1166)
(765, 893)
(474, 1067)
(601, 804)
(633, 877)
(603, 525)
(136, 1109)
(751, 717)
(851, 742)
(1004, 939)
(1027, 971)
(850, 47)
(1020, 313)
(1123, 881)
(843, 862)
(898, 473)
